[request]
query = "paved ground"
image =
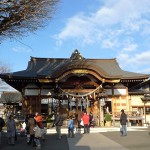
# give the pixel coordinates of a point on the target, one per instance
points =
(136, 140)
(51, 143)
(110, 139)
(98, 139)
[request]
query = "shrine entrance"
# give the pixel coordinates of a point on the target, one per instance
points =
(71, 84)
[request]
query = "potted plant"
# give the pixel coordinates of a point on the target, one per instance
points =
(108, 120)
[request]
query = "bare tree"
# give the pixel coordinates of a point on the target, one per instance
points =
(11, 97)
(18, 17)
(4, 68)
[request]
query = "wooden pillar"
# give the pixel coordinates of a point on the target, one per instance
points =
(49, 109)
(144, 112)
(99, 112)
(120, 102)
(23, 105)
(38, 106)
(52, 103)
(23, 101)
(68, 106)
(87, 103)
(113, 100)
(77, 104)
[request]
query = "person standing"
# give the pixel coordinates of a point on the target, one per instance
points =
(123, 122)
(70, 127)
(11, 130)
(79, 116)
(38, 118)
(26, 122)
(31, 125)
(38, 135)
(86, 121)
(2, 124)
(91, 119)
(58, 124)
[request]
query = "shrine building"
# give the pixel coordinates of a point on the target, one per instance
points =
(75, 84)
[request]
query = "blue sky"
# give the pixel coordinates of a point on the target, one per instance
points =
(97, 28)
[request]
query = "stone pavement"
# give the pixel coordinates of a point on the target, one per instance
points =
(138, 138)
(135, 140)
(110, 139)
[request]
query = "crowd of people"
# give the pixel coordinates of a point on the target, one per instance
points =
(32, 127)
(84, 121)
(35, 131)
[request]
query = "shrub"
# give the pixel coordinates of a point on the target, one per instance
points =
(108, 117)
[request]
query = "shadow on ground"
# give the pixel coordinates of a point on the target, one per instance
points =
(51, 143)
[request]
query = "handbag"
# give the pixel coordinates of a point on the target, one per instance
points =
(81, 123)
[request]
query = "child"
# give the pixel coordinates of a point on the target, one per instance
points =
(70, 127)
(38, 135)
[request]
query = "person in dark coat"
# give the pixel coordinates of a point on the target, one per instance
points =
(58, 124)
(2, 123)
(91, 119)
(123, 122)
(79, 116)
(11, 130)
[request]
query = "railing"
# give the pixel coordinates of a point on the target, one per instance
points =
(129, 114)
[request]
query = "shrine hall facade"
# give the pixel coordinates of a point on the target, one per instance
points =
(73, 84)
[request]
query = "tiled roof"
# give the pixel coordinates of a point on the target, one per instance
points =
(54, 67)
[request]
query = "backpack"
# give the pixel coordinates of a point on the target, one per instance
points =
(38, 132)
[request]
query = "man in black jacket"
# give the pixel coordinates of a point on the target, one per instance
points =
(58, 124)
(123, 121)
